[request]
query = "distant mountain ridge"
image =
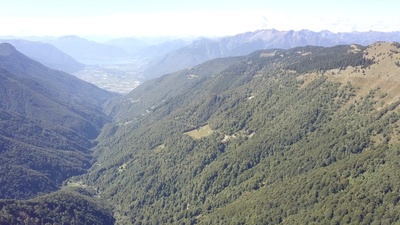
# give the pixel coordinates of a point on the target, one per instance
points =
(151, 57)
(89, 52)
(46, 54)
(242, 44)
(150, 47)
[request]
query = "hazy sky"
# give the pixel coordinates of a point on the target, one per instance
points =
(122, 18)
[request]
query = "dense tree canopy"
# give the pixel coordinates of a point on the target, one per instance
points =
(298, 136)
(287, 144)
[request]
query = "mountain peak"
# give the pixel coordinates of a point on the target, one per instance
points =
(6, 49)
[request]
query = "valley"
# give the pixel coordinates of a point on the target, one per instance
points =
(49, 120)
(302, 134)
(119, 78)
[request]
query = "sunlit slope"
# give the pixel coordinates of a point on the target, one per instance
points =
(280, 136)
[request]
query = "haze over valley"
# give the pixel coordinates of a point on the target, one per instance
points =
(120, 65)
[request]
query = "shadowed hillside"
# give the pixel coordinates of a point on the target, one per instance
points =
(48, 122)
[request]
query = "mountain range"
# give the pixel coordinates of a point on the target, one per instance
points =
(89, 52)
(150, 47)
(46, 54)
(158, 56)
(285, 135)
(210, 48)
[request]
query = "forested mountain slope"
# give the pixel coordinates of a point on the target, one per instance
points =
(308, 135)
(62, 207)
(48, 123)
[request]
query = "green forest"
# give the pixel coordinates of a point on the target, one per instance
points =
(63, 207)
(282, 150)
(309, 135)
(48, 124)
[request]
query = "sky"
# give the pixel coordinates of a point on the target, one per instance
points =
(102, 19)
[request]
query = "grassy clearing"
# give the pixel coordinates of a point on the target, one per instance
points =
(203, 131)
(159, 148)
(239, 134)
(76, 184)
(307, 79)
(192, 76)
(383, 75)
(304, 53)
(267, 54)
(122, 167)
